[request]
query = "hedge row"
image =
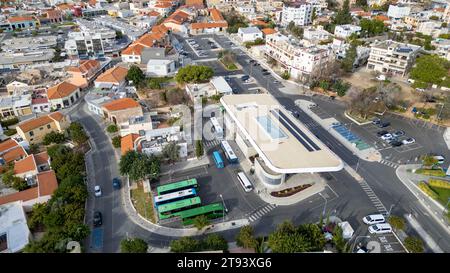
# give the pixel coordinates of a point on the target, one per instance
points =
(424, 187)
(439, 183)
(438, 173)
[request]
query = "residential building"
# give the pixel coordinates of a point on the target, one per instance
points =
(113, 78)
(83, 74)
(340, 48)
(63, 95)
(34, 130)
(85, 45)
(432, 28)
(176, 22)
(163, 8)
(136, 124)
(11, 151)
(119, 111)
(157, 38)
(130, 31)
(28, 44)
(40, 105)
(22, 22)
(345, 31)
(127, 143)
(16, 88)
(217, 86)
(15, 106)
(398, 11)
(392, 57)
(298, 12)
(159, 64)
(152, 142)
(442, 47)
(316, 34)
(14, 232)
(249, 34)
(217, 24)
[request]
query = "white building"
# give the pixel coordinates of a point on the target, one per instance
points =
(160, 64)
(217, 86)
(299, 12)
(344, 31)
(85, 45)
(135, 125)
(442, 47)
(250, 34)
(316, 34)
(392, 57)
(432, 28)
(246, 10)
(154, 141)
(398, 12)
(14, 232)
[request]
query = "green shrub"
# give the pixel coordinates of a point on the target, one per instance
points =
(431, 172)
(413, 244)
(10, 132)
(397, 222)
(112, 128)
(116, 141)
(9, 122)
(439, 183)
(427, 190)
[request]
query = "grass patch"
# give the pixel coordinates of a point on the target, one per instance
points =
(442, 194)
(357, 118)
(143, 202)
(431, 172)
(229, 65)
(425, 113)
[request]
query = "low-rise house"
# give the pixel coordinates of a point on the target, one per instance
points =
(152, 142)
(344, 31)
(268, 31)
(14, 232)
(217, 86)
(22, 22)
(15, 106)
(442, 47)
(432, 28)
(34, 130)
(119, 111)
(112, 78)
(249, 34)
(127, 143)
(83, 74)
(398, 11)
(10, 151)
(40, 105)
(16, 88)
(136, 124)
(63, 95)
(159, 64)
(176, 21)
(218, 24)
(315, 35)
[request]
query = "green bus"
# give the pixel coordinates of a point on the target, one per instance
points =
(179, 205)
(177, 186)
(211, 211)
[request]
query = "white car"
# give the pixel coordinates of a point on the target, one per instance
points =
(387, 137)
(195, 45)
(312, 105)
(408, 141)
(374, 219)
(380, 229)
(97, 191)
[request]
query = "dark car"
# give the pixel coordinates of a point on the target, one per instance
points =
(396, 143)
(384, 124)
(264, 70)
(256, 64)
(245, 77)
(227, 78)
(376, 121)
(251, 61)
(97, 219)
(398, 133)
(332, 97)
(266, 73)
(234, 90)
(382, 133)
(116, 183)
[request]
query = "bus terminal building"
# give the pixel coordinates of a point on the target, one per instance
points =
(277, 144)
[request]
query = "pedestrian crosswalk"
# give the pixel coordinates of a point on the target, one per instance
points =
(211, 143)
(389, 163)
(373, 197)
(258, 213)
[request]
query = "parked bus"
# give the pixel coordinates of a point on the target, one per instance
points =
(174, 196)
(211, 211)
(218, 131)
(245, 183)
(170, 208)
(218, 159)
(177, 186)
(229, 153)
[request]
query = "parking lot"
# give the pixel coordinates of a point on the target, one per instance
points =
(381, 243)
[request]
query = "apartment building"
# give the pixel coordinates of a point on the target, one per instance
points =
(15, 106)
(300, 60)
(392, 57)
(398, 11)
(298, 12)
(85, 45)
(34, 130)
(344, 31)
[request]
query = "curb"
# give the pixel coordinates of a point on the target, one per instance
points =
(354, 120)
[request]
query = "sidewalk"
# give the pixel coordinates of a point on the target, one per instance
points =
(370, 154)
(425, 236)
(411, 180)
(447, 137)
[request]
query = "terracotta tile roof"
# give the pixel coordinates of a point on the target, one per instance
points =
(53, 13)
(14, 154)
(121, 104)
(133, 49)
(163, 5)
(113, 75)
(364, 14)
(20, 19)
(208, 25)
(153, 13)
(381, 18)
(41, 158)
(178, 17)
(216, 15)
(259, 23)
(8, 144)
(61, 90)
(47, 182)
(127, 143)
(27, 164)
(34, 123)
(160, 29)
(64, 6)
(268, 31)
(194, 2)
(85, 66)
(25, 195)
(39, 100)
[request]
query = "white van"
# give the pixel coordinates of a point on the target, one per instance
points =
(245, 182)
(374, 219)
(380, 228)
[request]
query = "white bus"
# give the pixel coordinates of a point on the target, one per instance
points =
(244, 182)
(174, 196)
(218, 131)
(229, 153)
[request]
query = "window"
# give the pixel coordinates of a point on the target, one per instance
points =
(48, 126)
(42, 128)
(31, 133)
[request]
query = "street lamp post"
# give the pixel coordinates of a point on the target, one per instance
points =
(224, 206)
(325, 206)
(390, 209)
(356, 239)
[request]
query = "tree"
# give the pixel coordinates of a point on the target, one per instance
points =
(340, 87)
(139, 166)
(349, 60)
(185, 244)
(171, 151)
(397, 222)
(200, 222)
(119, 35)
(215, 242)
(194, 74)
(361, 101)
(313, 15)
(37, 215)
(343, 16)
(339, 241)
(133, 245)
(286, 75)
(10, 180)
(314, 234)
(135, 75)
(431, 69)
(429, 161)
(245, 238)
(112, 128)
(53, 137)
(361, 3)
(414, 245)
(445, 108)
(288, 239)
(371, 28)
(77, 133)
(127, 160)
(199, 148)
(116, 141)
(295, 30)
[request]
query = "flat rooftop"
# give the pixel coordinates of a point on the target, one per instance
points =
(283, 142)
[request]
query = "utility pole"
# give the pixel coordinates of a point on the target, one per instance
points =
(390, 209)
(325, 206)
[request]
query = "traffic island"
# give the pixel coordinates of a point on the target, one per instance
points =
(290, 191)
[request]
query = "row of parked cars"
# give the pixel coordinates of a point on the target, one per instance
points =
(393, 138)
(97, 220)
(377, 224)
(195, 46)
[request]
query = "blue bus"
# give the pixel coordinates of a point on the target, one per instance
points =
(229, 154)
(218, 160)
